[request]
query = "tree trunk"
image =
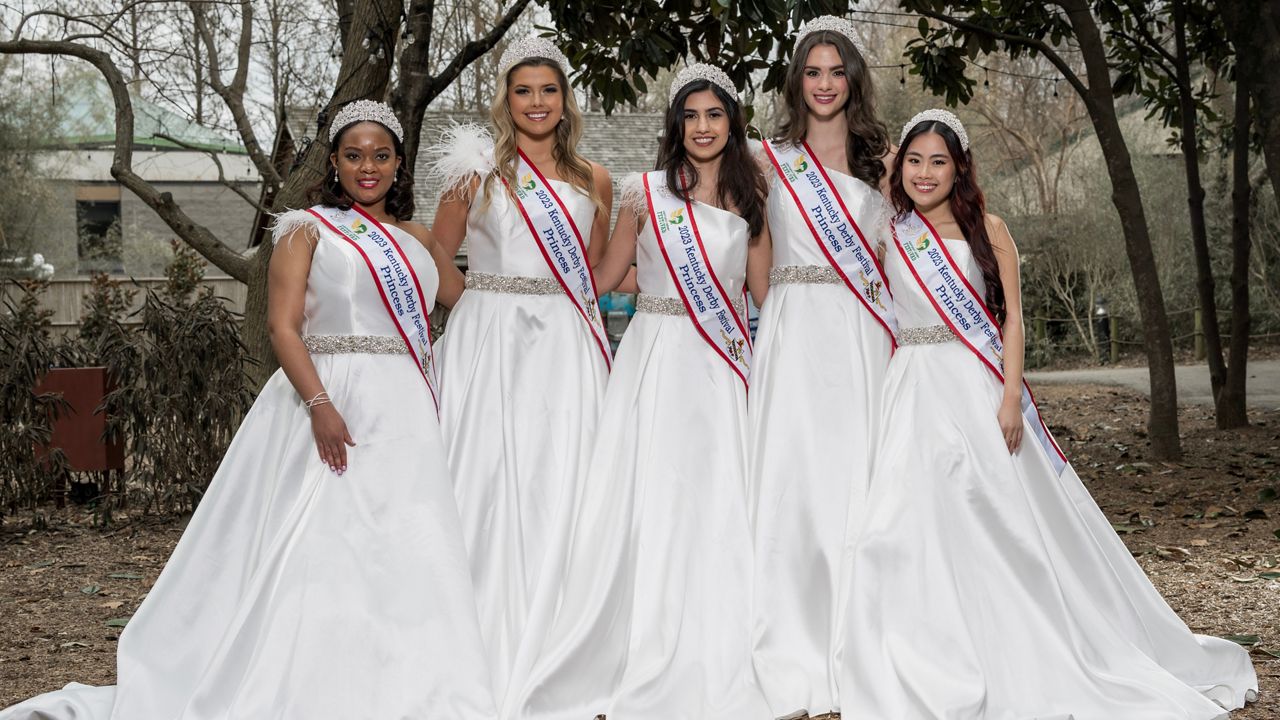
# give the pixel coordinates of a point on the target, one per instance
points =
(1254, 29)
(359, 77)
(1230, 403)
(1195, 205)
(1126, 196)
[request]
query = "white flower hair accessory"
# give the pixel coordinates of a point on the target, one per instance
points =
(362, 110)
(943, 116)
(831, 23)
(702, 71)
(528, 48)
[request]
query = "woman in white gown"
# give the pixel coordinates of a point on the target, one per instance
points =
(653, 620)
(324, 570)
(985, 583)
(822, 350)
(524, 358)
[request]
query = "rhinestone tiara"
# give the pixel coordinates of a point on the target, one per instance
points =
(702, 71)
(943, 116)
(531, 47)
(362, 110)
(831, 23)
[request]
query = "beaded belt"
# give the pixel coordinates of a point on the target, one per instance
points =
(363, 344)
(928, 335)
(804, 274)
(661, 305)
(515, 284)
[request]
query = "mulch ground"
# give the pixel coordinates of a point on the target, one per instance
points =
(1206, 530)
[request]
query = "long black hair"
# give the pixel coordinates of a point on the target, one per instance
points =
(968, 205)
(740, 183)
(399, 197)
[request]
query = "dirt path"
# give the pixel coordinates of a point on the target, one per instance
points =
(1262, 386)
(1205, 529)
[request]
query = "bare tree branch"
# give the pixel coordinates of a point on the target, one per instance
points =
(233, 94)
(222, 175)
(191, 232)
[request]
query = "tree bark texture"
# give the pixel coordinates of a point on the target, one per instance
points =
(1127, 197)
(1254, 29)
(1231, 402)
(360, 76)
(1205, 285)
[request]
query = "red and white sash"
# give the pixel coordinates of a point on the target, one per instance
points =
(834, 229)
(705, 299)
(561, 244)
(395, 278)
(962, 309)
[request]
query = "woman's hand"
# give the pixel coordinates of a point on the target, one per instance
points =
(1010, 418)
(332, 437)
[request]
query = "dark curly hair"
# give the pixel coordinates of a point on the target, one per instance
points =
(740, 181)
(968, 205)
(868, 138)
(399, 197)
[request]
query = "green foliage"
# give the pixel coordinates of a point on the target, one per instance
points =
(941, 54)
(27, 350)
(617, 44)
(181, 390)
(179, 379)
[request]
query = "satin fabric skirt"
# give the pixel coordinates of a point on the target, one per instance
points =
(986, 587)
(521, 383)
(296, 593)
(653, 613)
(815, 407)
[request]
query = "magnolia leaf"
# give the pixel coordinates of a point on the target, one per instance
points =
(121, 622)
(1245, 640)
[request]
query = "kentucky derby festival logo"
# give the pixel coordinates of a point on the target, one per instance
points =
(667, 219)
(801, 164)
(360, 228)
(923, 242)
(872, 290)
(734, 347)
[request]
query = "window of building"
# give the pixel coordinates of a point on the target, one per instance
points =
(100, 243)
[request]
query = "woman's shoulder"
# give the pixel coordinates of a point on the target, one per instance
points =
(463, 154)
(296, 224)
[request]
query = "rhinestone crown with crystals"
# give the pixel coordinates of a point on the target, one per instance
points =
(702, 71)
(831, 23)
(943, 116)
(362, 110)
(531, 47)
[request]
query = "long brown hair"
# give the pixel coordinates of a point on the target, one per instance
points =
(740, 181)
(868, 138)
(968, 205)
(571, 166)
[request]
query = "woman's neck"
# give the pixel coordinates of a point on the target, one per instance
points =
(539, 150)
(708, 178)
(377, 211)
(828, 132)
(939, 214)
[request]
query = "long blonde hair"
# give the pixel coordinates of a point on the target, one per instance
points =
(571, 166)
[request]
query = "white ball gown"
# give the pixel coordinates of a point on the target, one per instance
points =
(296, 593)
(522, 380)
(986, 587)
(653, 620)
(820, 362)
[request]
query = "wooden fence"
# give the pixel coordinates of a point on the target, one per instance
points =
(66, 297)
